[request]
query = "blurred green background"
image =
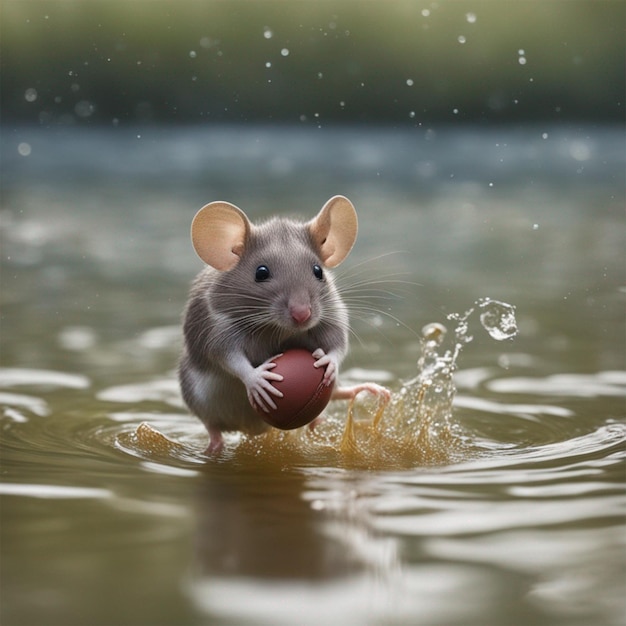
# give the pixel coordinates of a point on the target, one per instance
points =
(312, 62)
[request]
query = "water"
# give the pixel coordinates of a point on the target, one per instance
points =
(507, 508)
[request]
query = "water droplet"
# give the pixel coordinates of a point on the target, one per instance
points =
(497, 318)
(425, 12)
(461, 39)
(30, 95)
(434, 332)
(544, 135)
(409, 82)
(268, 34)
(285, 52)
(268, 64)
(411, 114)
(455, 111)
(192, 54)
(580, 151)
(522, 60)
(84, 108)
(24, 149)
(471, 17)
(535, 226)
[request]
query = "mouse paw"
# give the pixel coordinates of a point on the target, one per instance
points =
(348, 393)
(216, 442)
(259, 386)
(329, 362)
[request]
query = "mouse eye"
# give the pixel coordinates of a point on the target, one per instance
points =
(262, 273)
(317, 272)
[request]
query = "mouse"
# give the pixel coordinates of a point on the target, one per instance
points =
(266, 288)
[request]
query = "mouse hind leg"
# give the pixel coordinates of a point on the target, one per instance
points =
(348, 393)
(216, 442)
(196, 387)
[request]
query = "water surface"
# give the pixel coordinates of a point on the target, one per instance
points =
(512, 512)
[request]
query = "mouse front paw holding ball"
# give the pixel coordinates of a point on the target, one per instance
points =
(260, 387)
(329, 363)
(266, 293)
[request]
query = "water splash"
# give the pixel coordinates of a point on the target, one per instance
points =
(497, 318)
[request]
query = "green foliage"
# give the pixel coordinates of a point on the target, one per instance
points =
(313, 61)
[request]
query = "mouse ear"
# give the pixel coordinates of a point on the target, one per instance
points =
(334, 230)
(219, 232)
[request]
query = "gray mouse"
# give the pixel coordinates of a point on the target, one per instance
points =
(266, 288)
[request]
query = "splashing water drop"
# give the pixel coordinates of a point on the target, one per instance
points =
(498, 319)
(24, 149)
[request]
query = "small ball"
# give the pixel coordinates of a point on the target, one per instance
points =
(305, 396)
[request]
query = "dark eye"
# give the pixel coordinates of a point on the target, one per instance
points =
(262, 273)
(317, 272)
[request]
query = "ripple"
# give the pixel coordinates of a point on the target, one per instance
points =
(52, 491)
(612, 384)
(487, 517)
(11, 377)
(490, 406)
(161, 390)
(12, 401)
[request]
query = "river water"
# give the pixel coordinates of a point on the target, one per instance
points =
(505, 507)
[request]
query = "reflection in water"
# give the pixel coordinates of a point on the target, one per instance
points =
(259, 525)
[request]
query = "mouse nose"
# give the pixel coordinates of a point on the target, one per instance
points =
(300, 313)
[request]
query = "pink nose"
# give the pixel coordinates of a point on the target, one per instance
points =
(300, 313)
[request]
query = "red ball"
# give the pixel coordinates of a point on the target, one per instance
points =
(305, 396)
